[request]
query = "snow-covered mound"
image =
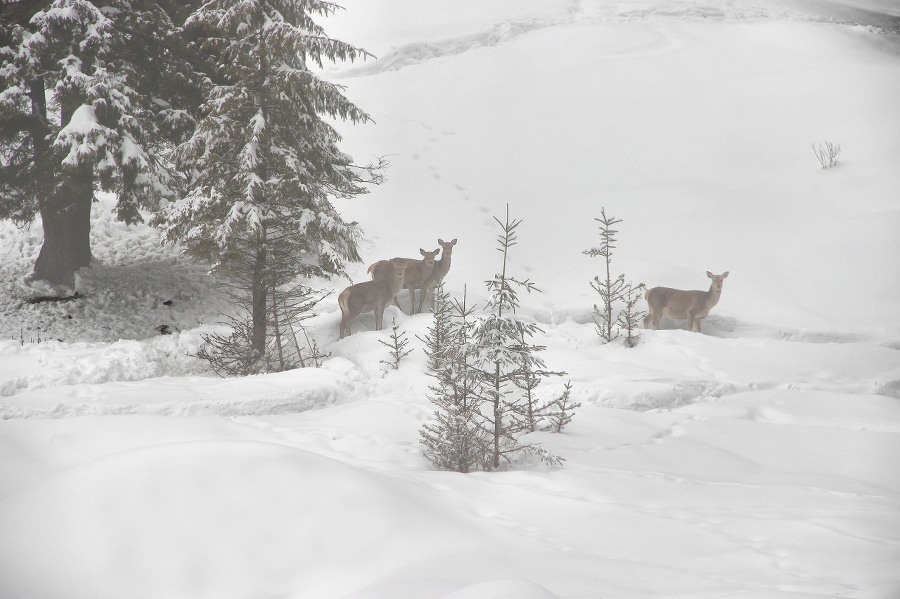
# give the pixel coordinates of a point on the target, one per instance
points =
(759, 459)
(145, 509)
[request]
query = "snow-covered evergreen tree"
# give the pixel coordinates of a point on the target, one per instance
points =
(529, 410)
(560, 411)
(610, 289)
(396, 346)
(288, 303)
(631, 317)
(263, 161)
(614, 290)
(500, 342)
(80, 112)
(455, 438)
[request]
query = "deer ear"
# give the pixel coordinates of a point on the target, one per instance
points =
(709, 274)
(725, 274)
(453, 242)
(423, 252)
(440, 241)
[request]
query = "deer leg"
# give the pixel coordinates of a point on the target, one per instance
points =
(428, 291)
(379, 316)
(422, 298)
(690, 321)
(412, 300)
(648, 319)
(346, 322)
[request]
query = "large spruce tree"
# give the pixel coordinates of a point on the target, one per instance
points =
(90, 98)
(264, 161)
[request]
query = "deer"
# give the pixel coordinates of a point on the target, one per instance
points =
(416, 274)
(676, 304)
(441, 268)
(371, 296)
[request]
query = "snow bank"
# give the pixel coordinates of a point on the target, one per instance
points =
(52, 363)
(503, 589)
(216, 519)
(281, 393)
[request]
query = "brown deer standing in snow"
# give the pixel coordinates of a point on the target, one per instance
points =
(371, 296)
(676, 304)
(441, 268)
(416, 273)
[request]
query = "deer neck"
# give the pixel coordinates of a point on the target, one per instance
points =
(443, 265)
(396, 284)
(713, 295)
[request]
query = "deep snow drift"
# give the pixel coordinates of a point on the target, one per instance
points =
(759, 459)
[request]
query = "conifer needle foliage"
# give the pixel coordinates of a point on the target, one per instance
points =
(263, 163)
(486, 370)
(264, 156)
(614, 290)
(455, 439)
(396, 346)
(94, 96)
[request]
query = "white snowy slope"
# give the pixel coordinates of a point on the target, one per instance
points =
(760, 459)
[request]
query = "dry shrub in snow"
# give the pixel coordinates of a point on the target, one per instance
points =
(827, 153)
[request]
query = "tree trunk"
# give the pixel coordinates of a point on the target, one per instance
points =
(65, 210)
(66, 220)
(259, 294)
(498, 414)
(276, 327)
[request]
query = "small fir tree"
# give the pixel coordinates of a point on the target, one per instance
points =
(397, 346)
(479, 363)
(610, 289)
(561, 410)
(631, 317)
(503, 353)
(530, 410)
(614, 290)
(454, 439)
(439, 340)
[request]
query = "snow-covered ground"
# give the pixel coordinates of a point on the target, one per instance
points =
(759, 459)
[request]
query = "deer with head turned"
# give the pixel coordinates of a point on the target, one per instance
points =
(441, 268)
(692, 306)
(416, 274)
(371, 296)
